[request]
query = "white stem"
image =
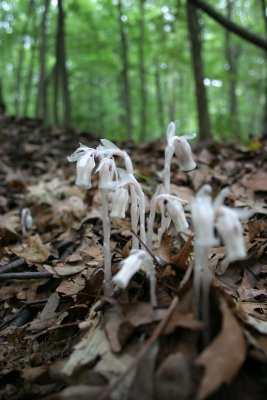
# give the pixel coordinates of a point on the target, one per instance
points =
(167, 168)
(106, 244)
(134, 217)
(201, 286)
(153, 282)
(142, 208)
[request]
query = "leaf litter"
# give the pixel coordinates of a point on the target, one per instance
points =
(61, 339)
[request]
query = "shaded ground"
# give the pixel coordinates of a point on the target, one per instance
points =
(60, 339)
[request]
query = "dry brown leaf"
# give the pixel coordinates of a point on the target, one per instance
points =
(47, 316)
(180, 260)
(7, 236)
(256, 182)
(223, 358)
(35, 251)
(72, 286)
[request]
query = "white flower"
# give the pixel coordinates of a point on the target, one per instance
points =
(106, 169)
(203, 218)
(175, 211)
(84, 168)
(231, 232)
(80, 151)
(138, 259)
(181, 147)
(120, 201)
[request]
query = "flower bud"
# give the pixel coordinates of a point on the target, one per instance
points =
(84, 167)
(184, 154)
(175, 211)
(230, 229)
(120, 201)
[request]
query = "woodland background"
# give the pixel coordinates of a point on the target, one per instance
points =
(123, 69)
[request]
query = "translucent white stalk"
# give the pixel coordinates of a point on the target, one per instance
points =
(153, 205)
(106, 244)
(201, 286)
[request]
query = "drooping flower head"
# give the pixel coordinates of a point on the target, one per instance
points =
(85, 164)
(180, 146)
(230, 230)
(120, 202)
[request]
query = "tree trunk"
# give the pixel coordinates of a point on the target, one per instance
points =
(159, 99)
(264, 118)
(232, 54)
(2, 102)
(29, 76)
(21, 59)
(41, 103)
(172, 99)
(142, 72)
(60, 71)
(196, 51)
(126, 99)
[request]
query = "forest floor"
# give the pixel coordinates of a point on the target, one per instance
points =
(61, 339)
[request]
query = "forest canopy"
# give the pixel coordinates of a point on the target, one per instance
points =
(123, 69)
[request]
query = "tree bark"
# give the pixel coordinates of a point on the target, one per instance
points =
(21, 56)
(29, 76)
(159, 99)
(41, 103)
(126, 98)
(231, 26)
(232, 54)
(142, 72)
(61, 83)
(196, 51)
(264, 118)
(2, 102)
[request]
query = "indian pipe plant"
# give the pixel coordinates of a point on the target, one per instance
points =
(207, 214)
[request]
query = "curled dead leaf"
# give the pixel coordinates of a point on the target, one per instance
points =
(223, 358)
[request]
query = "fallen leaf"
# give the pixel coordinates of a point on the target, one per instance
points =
(47, 316)
(223, 358)
(256, 182)
(35, 251)
(7, 236)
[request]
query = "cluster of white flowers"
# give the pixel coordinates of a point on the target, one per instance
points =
(206, 214)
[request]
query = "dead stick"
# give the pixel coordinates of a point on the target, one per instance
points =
(54, 328)
(142, 352)
(147, 249)
(14, 264)
(25, 275)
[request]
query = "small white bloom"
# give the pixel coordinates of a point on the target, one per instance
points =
(175, 211)
(180, 146)
(231, 232)
(183, 153)
(120, 201)
(137, 260)
(80, 151)
(106, 169)
(84, 167)
(26, 220)
(203, 217)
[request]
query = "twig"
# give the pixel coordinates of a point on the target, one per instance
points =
(142, 352)
(14, 264)
(147, 249)
(54, 328)
(25, 275)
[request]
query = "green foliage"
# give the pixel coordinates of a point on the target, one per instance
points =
(93, 48)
